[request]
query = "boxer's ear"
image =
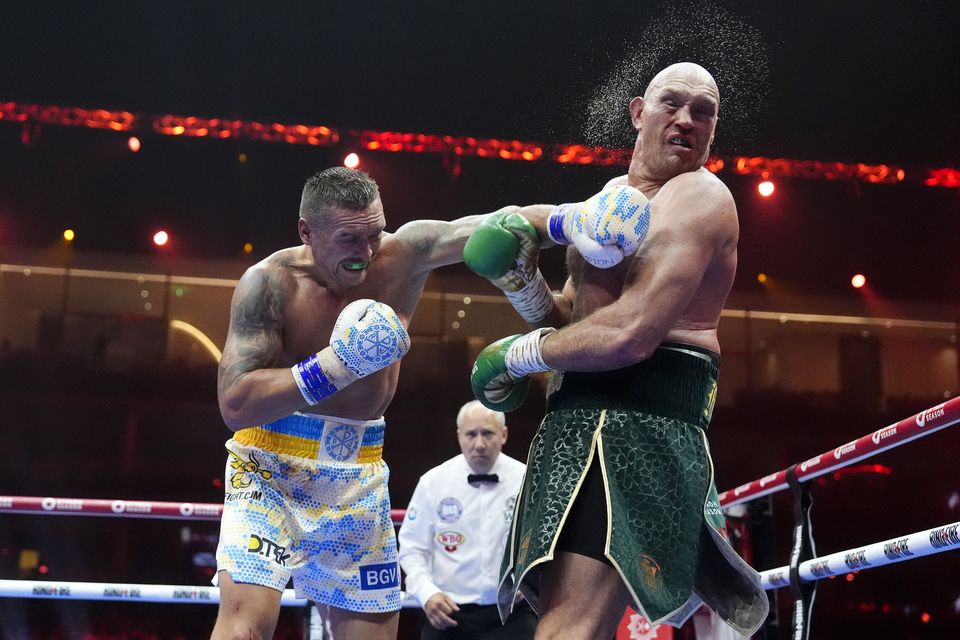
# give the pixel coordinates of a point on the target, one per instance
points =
(303, 229)
(636, 107)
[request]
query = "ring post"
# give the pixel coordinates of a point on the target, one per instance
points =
(803, 549)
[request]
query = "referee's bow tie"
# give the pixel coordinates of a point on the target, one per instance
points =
(483, 477)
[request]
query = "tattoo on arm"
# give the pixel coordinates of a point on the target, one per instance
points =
(254, 340)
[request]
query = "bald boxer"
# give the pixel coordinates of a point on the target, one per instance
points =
(310, 365)
(619, 505)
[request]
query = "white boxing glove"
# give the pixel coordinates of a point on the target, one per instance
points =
(366, 337)
(606, 228)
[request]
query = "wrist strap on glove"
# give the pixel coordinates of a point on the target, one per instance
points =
(534, 301)
(523, 357)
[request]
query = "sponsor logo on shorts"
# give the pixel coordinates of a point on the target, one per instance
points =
(945, 537)
(379, 576)
(711, 400)
(242, 479)
(897, 549)
(821, 568)
(451, 540)
(930, 414)
(244, 495)
(449, 510)
(652, 574)
(524, 548)
(882, 434)
(839, 452)
(268, 549)
(856, 559)
(712, 508)
(342, 442)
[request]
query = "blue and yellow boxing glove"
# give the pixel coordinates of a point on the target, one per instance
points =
(366, 337)
(504, 248)
(499, 379)
(605, 229)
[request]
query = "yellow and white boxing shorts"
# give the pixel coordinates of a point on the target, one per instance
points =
(306, 498)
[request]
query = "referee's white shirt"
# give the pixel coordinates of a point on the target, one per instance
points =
(454, 532)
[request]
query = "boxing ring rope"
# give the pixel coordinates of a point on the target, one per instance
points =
(878, 554)
(147, 509)
(941, 416)
(162, 593)
(898, 549)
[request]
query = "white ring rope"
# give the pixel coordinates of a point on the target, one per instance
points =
(908, 547)
(878, 554)
(165, 593)
(899, 549)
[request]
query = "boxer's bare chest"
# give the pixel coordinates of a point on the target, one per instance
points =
(595, 288)
(312, 309)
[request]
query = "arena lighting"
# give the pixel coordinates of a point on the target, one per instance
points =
(766, 188)
(160, 238)
(762, 278)
(247, 247)
(352, 161)
(449, 146)
(133, 143)
(69, 235)
(858, 281)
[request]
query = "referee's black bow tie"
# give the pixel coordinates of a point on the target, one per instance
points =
(483, 477)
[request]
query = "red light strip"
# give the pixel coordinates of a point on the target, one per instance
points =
(315, 135)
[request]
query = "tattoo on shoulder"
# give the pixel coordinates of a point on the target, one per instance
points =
(256, 323)
(259, 302)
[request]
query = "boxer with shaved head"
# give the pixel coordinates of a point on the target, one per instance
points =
(619, 505)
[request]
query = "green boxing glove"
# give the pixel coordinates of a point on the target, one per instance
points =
(493, 248)
(499, 377)
(504, 249)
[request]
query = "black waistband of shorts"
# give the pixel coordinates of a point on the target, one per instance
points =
(677, 381)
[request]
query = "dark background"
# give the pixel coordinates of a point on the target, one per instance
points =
(831, 81)
(821, 81)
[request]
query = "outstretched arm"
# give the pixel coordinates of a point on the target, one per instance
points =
(437, 243)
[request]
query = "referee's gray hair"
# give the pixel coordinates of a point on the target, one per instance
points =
(498, 415)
